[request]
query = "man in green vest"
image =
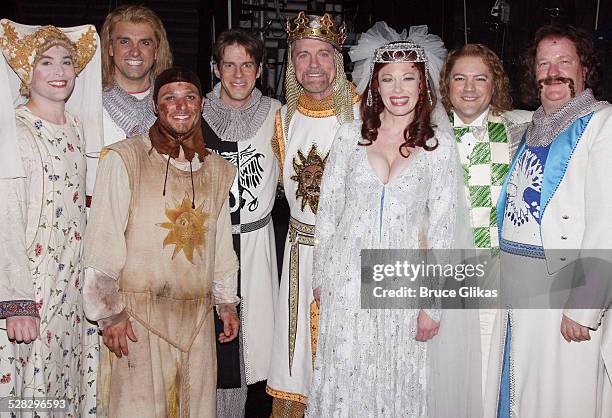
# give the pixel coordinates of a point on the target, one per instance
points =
(475, 92)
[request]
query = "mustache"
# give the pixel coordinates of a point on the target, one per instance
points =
(553, 79)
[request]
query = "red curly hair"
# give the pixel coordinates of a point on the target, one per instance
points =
(417, 132)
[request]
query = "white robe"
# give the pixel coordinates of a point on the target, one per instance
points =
(258, 268)
(285, 382)
(549, 376)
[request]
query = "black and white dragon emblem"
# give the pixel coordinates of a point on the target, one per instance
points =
(250, 170)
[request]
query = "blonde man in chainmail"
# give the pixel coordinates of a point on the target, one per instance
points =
(319, 99)
(135, 50)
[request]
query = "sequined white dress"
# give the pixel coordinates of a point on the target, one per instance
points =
(368, 363)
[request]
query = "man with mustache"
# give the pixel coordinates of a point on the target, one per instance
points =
(557, 358)
(319, 99)
(238, 125)
(159, 258)
(311, 177)
(475, 92)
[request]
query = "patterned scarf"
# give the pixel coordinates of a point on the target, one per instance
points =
(495, 128)
(133, 116)
(232, 124)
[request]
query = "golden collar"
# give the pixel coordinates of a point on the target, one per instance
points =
(320, 108)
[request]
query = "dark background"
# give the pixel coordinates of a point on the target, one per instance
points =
(192, 25)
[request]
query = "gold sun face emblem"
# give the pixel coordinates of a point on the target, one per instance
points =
(186, 228)
(308, 175)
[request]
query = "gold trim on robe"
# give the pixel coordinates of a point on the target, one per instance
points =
(278, 143)
(299, 234)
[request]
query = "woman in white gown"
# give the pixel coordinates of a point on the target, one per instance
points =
(390, 182)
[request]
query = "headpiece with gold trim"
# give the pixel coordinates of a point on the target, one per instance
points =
(323, 29)
(21, 47)
(316, 27)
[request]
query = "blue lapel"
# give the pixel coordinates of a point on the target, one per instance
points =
(561, 150)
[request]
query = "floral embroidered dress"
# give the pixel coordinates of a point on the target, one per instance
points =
(45, 214)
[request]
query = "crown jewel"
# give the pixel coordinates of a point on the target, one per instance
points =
(405, 51)
(316, 27)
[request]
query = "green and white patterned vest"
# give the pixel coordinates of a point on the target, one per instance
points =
(485, 167)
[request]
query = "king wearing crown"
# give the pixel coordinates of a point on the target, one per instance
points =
(319, 99)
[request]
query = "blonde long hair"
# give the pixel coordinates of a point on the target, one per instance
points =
(134, 14)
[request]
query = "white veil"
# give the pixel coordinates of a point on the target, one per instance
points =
(381, 34)
(454, 357)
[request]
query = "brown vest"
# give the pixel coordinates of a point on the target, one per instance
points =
(168, 275)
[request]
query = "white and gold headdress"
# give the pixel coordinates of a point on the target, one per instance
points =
(382, 44)
(21, 45)
(21, 48)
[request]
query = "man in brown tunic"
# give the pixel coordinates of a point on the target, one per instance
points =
(158, 257)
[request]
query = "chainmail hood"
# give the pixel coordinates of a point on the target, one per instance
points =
(342, 91)
(133, 116)
(545, 128)
(232, 124)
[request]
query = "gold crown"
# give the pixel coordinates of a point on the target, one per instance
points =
(20, 48)
(316, 27)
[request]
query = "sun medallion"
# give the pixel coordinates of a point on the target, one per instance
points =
(308, 175)
(186, 228)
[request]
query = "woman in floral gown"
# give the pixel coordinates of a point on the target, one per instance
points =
(48, 350)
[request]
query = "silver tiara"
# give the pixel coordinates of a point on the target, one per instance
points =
(403, 51)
